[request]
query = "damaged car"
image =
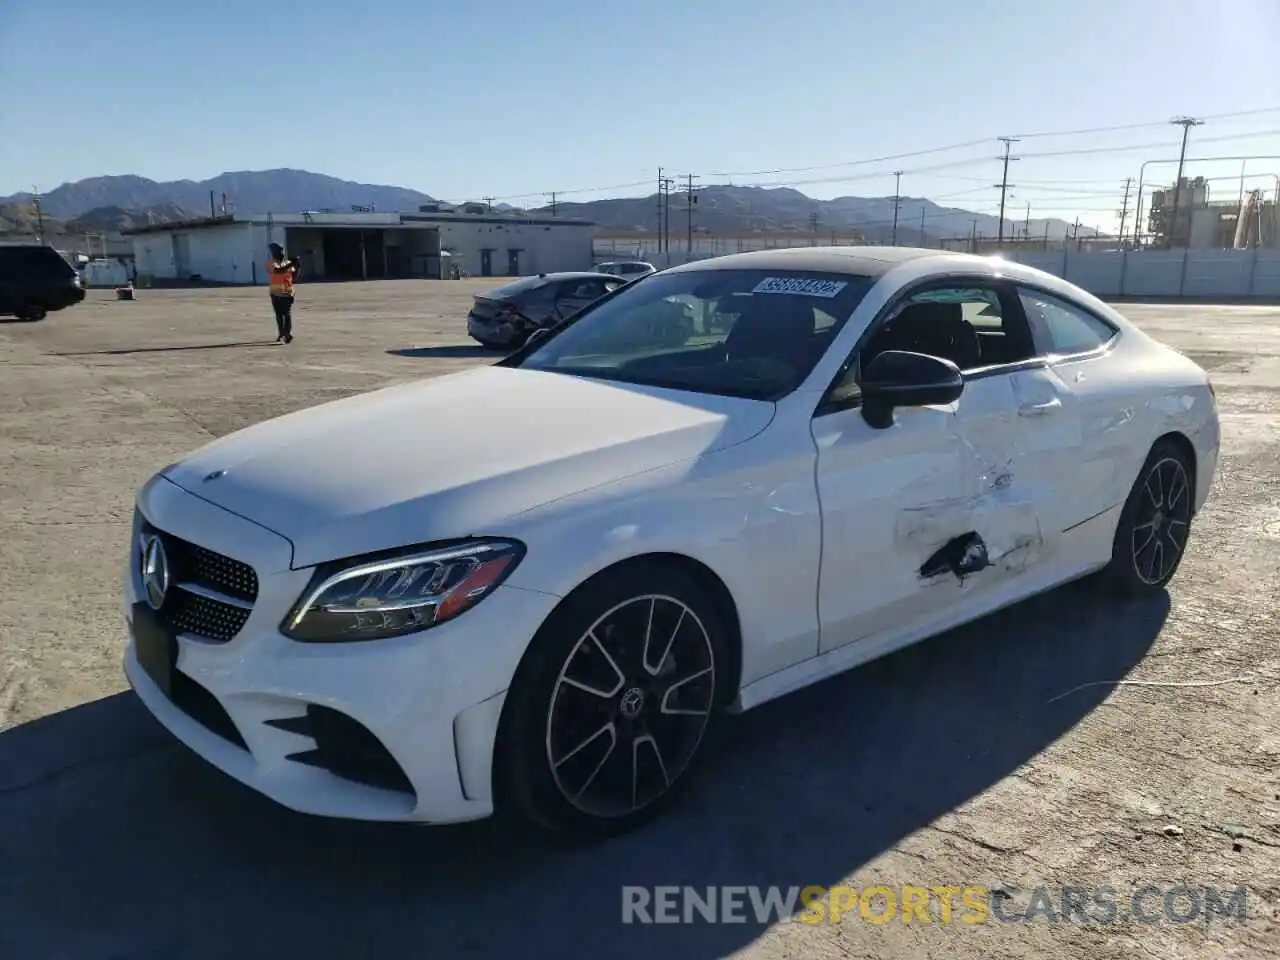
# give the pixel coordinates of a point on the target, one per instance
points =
(711, 488)
(505, 317)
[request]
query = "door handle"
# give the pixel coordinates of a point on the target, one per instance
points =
(1039, 409)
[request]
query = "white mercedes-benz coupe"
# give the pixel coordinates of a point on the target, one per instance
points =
(532, 586)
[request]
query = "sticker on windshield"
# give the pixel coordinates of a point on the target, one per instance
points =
(800, 286)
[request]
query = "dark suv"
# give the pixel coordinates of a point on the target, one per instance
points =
(35, 279)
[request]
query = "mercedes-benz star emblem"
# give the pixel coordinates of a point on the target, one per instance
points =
(632, 703)
(155, 571)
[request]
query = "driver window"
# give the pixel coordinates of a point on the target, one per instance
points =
(964, 324)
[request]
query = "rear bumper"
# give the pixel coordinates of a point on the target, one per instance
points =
(490, 332)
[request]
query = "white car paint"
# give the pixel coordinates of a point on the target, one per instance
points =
(814, 525)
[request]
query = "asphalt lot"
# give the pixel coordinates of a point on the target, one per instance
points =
(957, 762)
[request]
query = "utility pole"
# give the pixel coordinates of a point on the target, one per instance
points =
(552, 195)
(35, 197)
(1124, 209)
(1004, 182)
(973, 237)
(660, 182)
(897, 201)
(690, 200)
(488, 204)
(922, 225)
(1026, 224)
(1186, 123)
(667, 184)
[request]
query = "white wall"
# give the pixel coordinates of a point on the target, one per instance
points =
(225, 254)
(1227, 274)
(544, 249)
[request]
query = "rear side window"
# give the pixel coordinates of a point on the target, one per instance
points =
(581, 290)
(33, 263)
(1061, 327)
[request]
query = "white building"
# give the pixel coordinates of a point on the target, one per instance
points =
(356, 246)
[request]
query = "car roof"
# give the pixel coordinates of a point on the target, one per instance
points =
(862, 261)
(576, 275)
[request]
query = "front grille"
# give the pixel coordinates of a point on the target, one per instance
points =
(211, 619)
(210, 595)
(211, 569)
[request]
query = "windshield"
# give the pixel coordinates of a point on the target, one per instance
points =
(746, 333)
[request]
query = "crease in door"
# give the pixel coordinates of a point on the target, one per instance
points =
(989, 526)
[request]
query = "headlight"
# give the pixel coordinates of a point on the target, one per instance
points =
(399, 594)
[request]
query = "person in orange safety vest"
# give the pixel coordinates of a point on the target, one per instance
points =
(281, 272)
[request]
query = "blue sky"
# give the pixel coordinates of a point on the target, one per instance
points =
(513, 99)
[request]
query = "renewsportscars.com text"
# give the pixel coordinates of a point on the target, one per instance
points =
(972, 904)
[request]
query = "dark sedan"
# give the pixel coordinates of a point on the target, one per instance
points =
(504, 317)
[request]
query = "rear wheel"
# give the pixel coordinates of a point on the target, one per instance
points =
(612, 703)
(1155, 522)
(32, 314)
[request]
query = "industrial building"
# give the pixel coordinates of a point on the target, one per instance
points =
(1246, 221)
(436, 242)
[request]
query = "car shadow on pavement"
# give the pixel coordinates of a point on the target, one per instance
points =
(451, 352)
(117, 842)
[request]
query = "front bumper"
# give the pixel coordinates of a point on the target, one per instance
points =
(432, 700)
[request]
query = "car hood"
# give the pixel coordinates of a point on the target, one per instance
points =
(451, 456)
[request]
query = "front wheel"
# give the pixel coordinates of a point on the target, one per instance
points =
(31, 314)
(1155, 522)
(612, 702)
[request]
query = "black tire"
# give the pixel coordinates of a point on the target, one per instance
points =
(625, 734)
(32, 314)
(1155, 522)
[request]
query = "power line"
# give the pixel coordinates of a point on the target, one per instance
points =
(949, 165)
(1145, 125)
(1151, 146)
(978, 143)
(936, 169)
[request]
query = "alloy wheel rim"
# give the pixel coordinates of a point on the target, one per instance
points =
(1162, 521)
(630, 706)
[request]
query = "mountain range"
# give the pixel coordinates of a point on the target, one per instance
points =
(113, 203)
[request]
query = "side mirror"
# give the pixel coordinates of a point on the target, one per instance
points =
(899, 378)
